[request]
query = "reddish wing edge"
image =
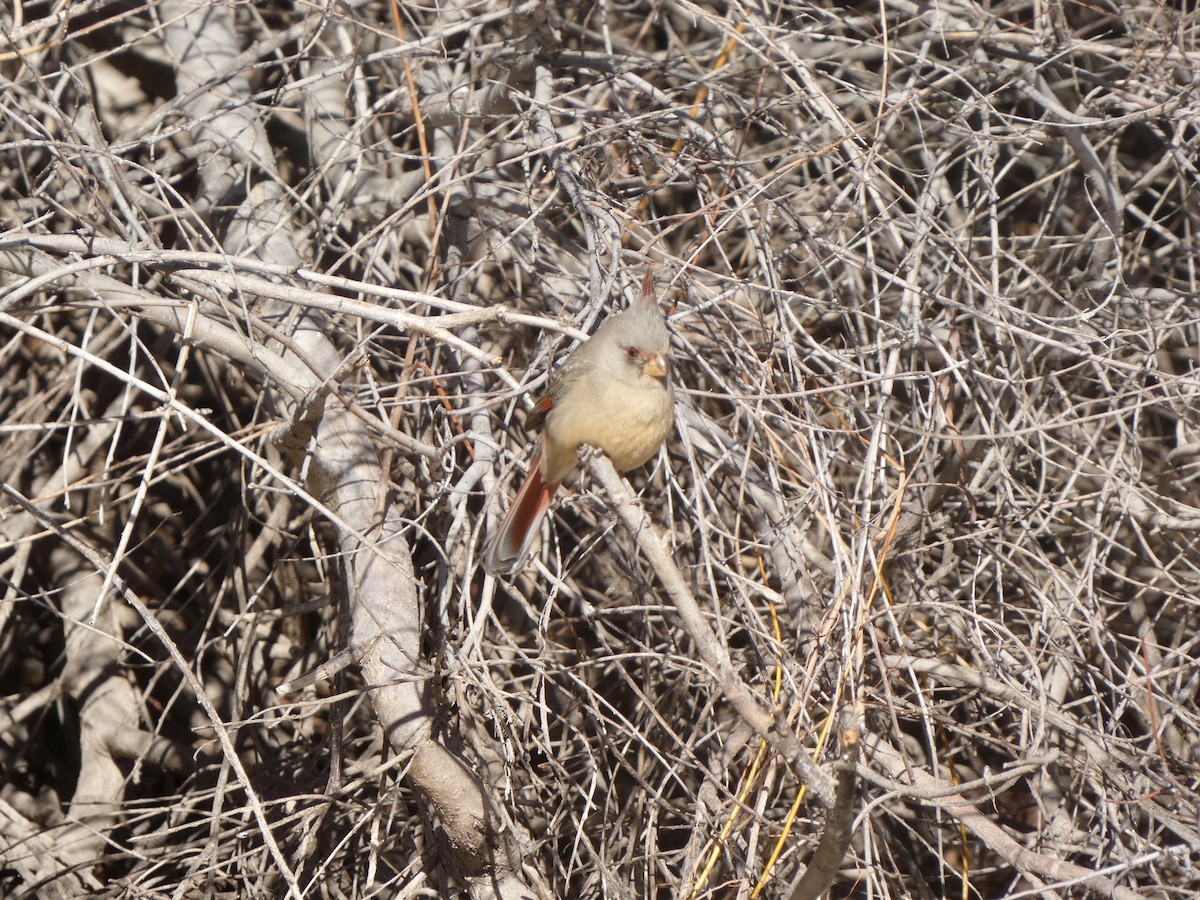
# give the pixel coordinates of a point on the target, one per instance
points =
(537, 415)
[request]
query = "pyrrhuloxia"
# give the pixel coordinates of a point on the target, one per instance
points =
(612, 393)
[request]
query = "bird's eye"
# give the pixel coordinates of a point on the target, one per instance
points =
(632, 353)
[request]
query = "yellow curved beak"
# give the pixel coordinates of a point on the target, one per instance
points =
(656, 366)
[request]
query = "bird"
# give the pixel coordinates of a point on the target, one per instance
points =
(613, 393)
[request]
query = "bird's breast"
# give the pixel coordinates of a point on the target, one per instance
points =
(628, 422)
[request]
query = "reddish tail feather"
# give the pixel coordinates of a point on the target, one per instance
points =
(508, 548)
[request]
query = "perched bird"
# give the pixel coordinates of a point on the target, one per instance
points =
(613, 392)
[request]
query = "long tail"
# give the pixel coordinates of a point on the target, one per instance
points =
(507, 550)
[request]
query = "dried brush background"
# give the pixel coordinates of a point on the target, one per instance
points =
(906, 608)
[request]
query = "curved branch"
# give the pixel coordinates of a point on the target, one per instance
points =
(712, 651)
